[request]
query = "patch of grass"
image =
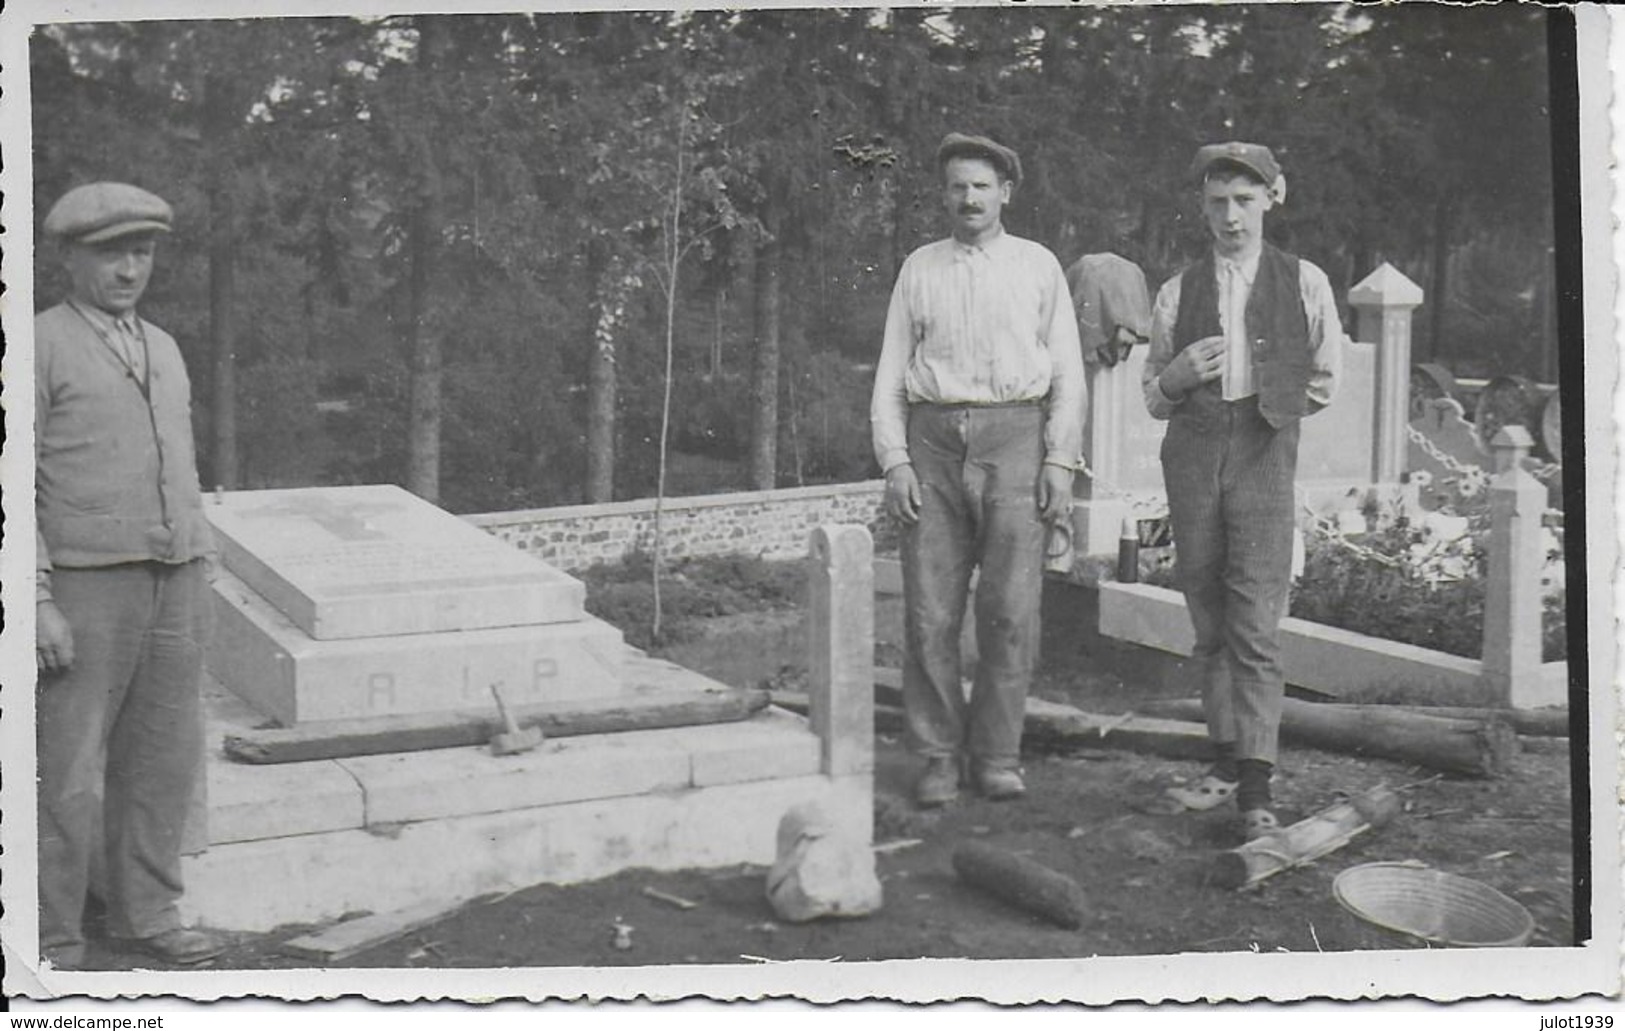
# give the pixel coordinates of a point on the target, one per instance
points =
(691, 591)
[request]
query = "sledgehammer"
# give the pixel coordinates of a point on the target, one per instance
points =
(511, 740)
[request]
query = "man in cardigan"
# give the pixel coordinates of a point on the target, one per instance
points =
(122, 600)
(1244, 343)
(977, 414)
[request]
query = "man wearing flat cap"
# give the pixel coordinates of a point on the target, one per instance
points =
(977, 415)
(1245, 342)
(121, 592)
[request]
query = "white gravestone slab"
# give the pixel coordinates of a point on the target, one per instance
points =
(1120, 439)
(264, 659)
(376, 560)
(1338, 442)
(1121, 442)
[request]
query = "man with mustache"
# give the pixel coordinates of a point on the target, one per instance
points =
(1244, 343)
(122, 597)
(977, 416)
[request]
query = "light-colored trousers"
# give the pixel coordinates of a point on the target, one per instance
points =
(978, 468)
(1229, 476)
(120, 741)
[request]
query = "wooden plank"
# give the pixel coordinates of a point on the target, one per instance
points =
(1056, 727)
(335, 739)
(1053, 725)
(344, 940)
(888, 718)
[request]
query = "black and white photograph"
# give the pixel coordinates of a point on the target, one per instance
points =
(1006, 501)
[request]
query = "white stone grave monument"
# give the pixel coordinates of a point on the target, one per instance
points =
(346, 602)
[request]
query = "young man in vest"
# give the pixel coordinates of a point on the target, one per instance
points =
(977, 414)
(122, 597)
(1244, 343)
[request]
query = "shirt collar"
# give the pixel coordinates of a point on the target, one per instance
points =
(106, 322)
(966, 251)
(1248, 266)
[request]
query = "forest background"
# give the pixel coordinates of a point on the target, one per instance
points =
(469, 254)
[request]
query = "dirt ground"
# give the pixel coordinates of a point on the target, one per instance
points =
(1147, 877)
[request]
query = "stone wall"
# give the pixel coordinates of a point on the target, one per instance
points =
(773, 524)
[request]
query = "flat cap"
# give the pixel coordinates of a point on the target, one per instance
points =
(1255, 159)
(96, 212)
(959, 145)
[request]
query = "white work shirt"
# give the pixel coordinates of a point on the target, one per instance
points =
(988, 324)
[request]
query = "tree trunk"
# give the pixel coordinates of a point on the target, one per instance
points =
(423, 345)
(1437, 297)
(601, 384)
(218, 123)
(764, 434)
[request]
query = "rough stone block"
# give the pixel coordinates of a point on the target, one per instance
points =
(283, 672)
(374, 560)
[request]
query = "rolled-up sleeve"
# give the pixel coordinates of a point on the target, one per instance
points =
(1325, 334)
(888, 405)
(1161, 351)
(1068, 392)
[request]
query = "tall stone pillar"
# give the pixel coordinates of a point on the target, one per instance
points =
(841, 663)
(1512, 600)
(1383, 303)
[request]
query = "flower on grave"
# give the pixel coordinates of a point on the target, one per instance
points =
(1442, 527)
(1420, 477)
(1472, 482)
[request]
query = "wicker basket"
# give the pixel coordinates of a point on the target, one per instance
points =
(1433, 905)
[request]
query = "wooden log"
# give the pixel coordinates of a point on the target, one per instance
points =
(1024, 883)
(1477, 748)
(1307, 840)
(335, 739)
(888, 718)
(1527, 722)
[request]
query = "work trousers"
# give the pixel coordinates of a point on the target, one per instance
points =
(978, 468)
(120, 743)
(1229, 476)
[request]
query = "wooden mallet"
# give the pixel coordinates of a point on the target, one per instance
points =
(511, 740)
